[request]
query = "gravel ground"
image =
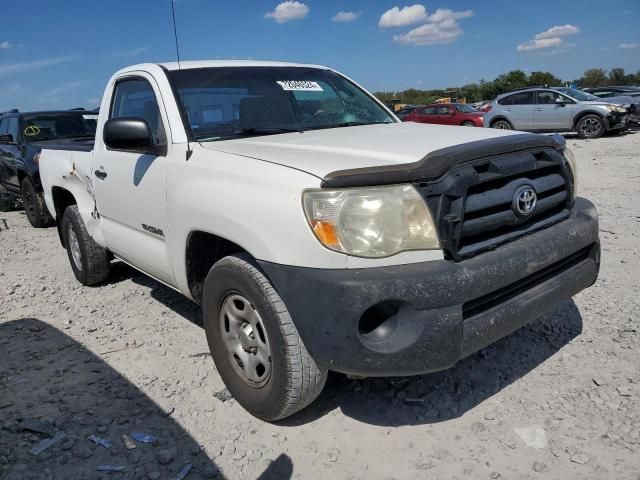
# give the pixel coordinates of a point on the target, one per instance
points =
(560, 398)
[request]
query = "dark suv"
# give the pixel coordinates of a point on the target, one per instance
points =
(22, 136)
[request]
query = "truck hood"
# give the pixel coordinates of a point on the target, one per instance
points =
(320, 152)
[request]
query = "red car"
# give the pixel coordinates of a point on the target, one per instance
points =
(447, 114)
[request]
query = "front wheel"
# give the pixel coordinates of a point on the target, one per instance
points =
(89, 261)
(254, 343)
(34, 205)
(590, 126)
(468, 124)
(502, 125)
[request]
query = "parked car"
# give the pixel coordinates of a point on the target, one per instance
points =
(317, 232)
(632, 104)
(606, 92)
(549, 110)
(405, 111)
(22, 136)
(447, 114)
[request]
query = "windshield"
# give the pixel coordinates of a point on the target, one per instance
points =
(54, 126)
(230, 102)
(578, 94)
(465, 108)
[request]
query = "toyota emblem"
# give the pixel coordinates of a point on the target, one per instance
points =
(524, 201)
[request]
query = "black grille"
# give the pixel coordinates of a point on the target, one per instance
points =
(473, 204)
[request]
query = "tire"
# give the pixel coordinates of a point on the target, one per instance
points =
(502, 125)
(7, 200)
(89, 261)
(34, 205)
(290, 379)
(468, 124)
(590, 126)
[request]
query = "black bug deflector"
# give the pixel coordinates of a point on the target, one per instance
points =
(439, 162)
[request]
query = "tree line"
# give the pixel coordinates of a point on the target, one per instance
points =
(488, 90)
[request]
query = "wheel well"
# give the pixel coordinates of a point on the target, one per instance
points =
(497, 119)
(62, 199)
(203, 250)
(584, 114)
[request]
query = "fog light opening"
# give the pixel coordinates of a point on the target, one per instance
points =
(379, 321)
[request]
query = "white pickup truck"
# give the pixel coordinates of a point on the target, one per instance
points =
(317, 231)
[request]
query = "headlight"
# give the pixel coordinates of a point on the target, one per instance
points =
(617, 108)
(574, 169)
(371, 222)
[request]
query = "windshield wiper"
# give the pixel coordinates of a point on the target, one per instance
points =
(252, 131)
(350, 124)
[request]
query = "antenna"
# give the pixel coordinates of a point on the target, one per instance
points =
(175, 36)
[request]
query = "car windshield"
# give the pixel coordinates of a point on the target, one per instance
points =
(55, 126)
(231, 102)
(578, 94)
(465, 108)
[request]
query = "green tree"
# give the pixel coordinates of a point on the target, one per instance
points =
(545, 79)
(594, 77)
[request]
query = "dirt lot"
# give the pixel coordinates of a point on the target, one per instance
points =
(557, 399)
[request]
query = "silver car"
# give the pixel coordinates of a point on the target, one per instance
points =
(550, 110)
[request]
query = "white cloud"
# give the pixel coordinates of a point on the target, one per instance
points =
(397, 17)
(559, 31)
(552, 38)
(442, 28)
(13, 68)
(134, 52)
(5, 45)
(287, 11)
(629, 46)
(344, 17)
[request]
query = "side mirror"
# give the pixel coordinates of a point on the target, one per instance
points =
(561, 101)
(131, 134)
(7, 138)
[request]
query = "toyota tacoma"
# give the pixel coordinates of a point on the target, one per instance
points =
(317, 231)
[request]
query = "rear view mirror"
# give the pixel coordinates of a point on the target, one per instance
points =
(131, 134)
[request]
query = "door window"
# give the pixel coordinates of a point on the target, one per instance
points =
(521, 98)
(428, 111)
(14, 129)
(549, 98)
(444, 111)
(135, 98)
(4, 126)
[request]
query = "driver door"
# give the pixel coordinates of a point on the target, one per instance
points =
(551, 115)
(130, 187)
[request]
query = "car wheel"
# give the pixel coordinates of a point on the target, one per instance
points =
(590, 126)
(468, 124)
(34, 205)
(254, 343)
(7, 200)
(502, 125)
(89, 261)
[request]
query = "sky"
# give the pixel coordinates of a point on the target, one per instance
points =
(60, 54)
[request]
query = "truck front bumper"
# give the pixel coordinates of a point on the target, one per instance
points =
(418, 318)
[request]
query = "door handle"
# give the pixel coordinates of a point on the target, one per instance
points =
(101, 174)
(540, 109)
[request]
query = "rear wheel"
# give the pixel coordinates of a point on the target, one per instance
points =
(501, 125)
(89, 261)
(590, 126)
(34, 205)
(254, 343)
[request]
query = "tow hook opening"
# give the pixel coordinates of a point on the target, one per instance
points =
(379, 321)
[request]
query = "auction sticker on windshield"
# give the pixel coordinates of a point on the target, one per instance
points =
(299, 86)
